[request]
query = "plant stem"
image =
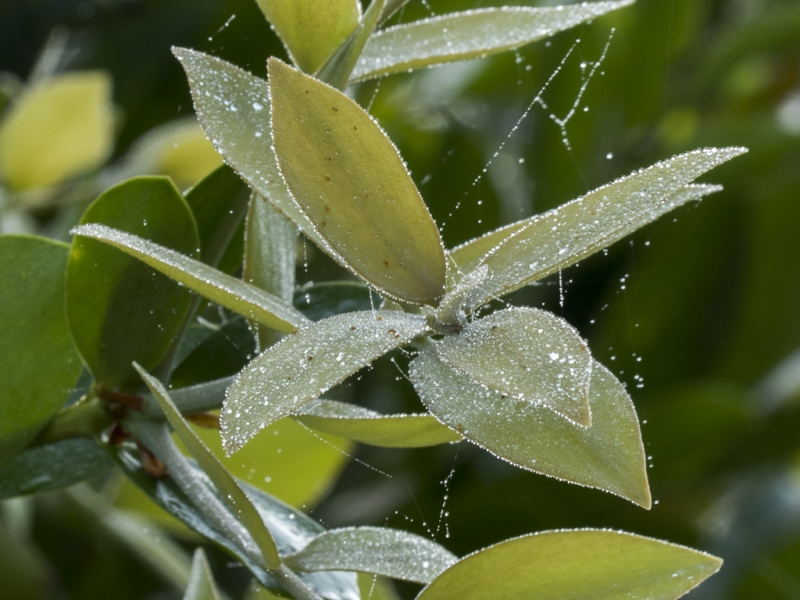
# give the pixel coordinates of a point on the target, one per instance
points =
(192, 399)
(86, 418)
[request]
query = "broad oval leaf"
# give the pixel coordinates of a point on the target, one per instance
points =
(201, 581)
(39, 364)
(215, 285)
(369, 427)
(609, 455)
(118, 309)
(390, 552)
(312, 30)
(349, 179)
(58, 128)
(582, 563)
(470, 34)
(303, 366)
(571, 232)
(529, 354)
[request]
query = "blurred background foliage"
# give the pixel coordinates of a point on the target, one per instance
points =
(698, 313)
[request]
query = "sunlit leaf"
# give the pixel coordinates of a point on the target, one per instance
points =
(470, 34)
(390, 552)
(583, 563)
(201, 581)
(351, 182)
(303, 366)
(368, 427)
(608, 455)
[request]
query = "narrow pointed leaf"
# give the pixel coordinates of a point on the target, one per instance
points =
(470, 34)
(584, 226)
(312, 30)
(215, 285)
(227, 486)
(201, 581)
(528, 354)
(390, 552)
(390, 7)
(609, 455)
(368, 427)
(582, 563)
(351, 182)
(303, 366)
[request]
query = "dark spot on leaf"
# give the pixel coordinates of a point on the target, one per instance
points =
(310, 358)
(326, 178)
(326, 208)
(386, 263)
(352, 328)
(335, 109)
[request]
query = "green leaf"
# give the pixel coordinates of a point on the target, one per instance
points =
(312, 30)
(390, 552)
(303, 366)
(57, 129)
(215, 285)
(582, 563)
(470, 34)
(201, 581)
(118, 309)
(349, 179)
(39, 364)
(390, 7)
(529, 354)
(369, 427)
(52, 467)
(227, 486)
(571, 232)
(609, 455)
(323, 300)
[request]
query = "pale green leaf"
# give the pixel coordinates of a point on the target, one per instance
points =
(201, 581)
(390, 552)
(369, 427)
(351, 182)
(608, 455)
(469, 34)
(303, 366)
(583, 563)
(528, 354)
(215, 285)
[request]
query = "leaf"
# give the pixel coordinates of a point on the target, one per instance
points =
(582, 563)
(118, 309)
(58, 128)
(201, 581)
(390, 552)
(390, 7)
(368, 427)
(39, 364)
(571, 232)
(470, 34)
(52, 467)
(292, 529)
(302, 367)
(349, 179)
(609, 455)
(312, 30)
(215, 285)
(323, 300)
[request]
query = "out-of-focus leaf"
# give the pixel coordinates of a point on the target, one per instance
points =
(53, 467)
(376, 588)
(312, 30)
(608, 455)
(23, 568)
(323, 300)
(118, 309)
(528, 354)
(368, 427)
(303, 366)
(390, 552)
(215, 285)
(470, 34)
(201, 582)
(351, 182)
(583, 563)
(58, 128)
(390, 7)
(39, 364)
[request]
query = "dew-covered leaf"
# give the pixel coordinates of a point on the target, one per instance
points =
(351, 182)
(312, 30)
(330, 298)
(303, 366)
(582, 563)
(469, 34)
(215, 285)
(38, 364)
(201, 581)
(369, 427)
(569, 233)
(528, 354)
(608, 455)
(390, 552)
